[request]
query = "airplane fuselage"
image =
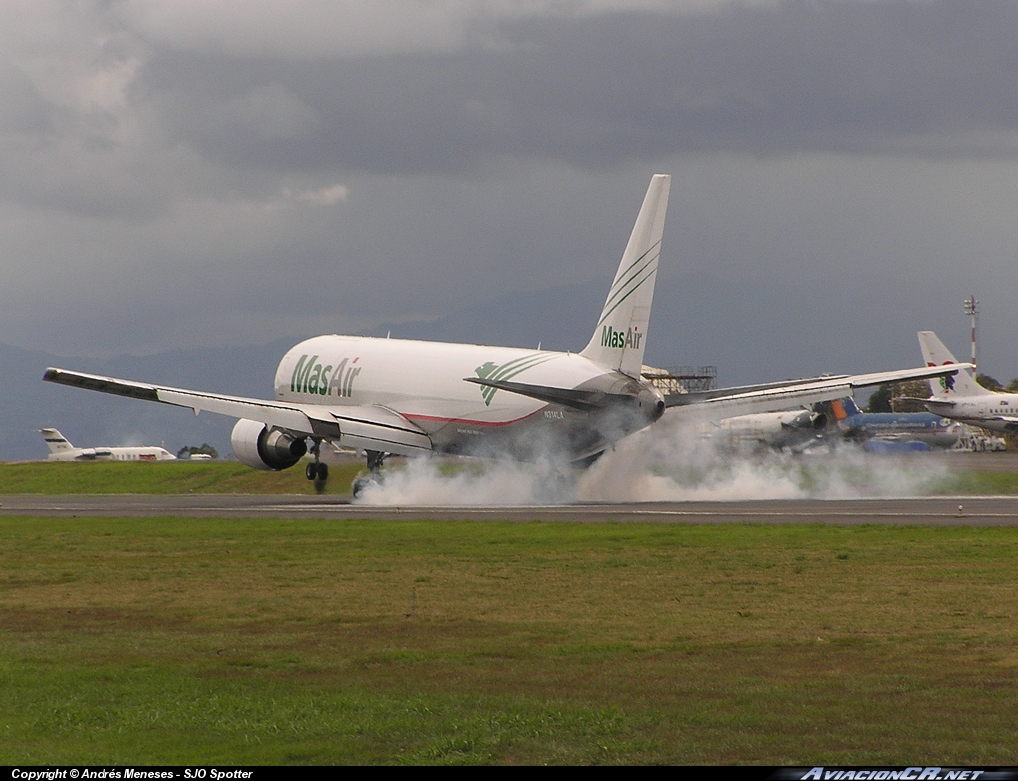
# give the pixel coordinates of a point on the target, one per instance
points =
(934, 430)
(62, 450)
(113, 454)
(425, 383)
(993, 411)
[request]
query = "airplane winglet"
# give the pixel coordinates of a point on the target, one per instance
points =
(134, 390)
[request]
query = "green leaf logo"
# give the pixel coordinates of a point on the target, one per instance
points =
(491, 371)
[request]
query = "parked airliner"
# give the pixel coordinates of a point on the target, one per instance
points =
(897, 427)
(393, 396)
(961, 397)
(62, 450)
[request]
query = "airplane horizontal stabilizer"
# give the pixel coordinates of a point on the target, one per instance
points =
(579, 399)
(947, 405)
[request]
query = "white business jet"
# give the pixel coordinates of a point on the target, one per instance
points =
(394, 396)
(961, 398)
(62, 450)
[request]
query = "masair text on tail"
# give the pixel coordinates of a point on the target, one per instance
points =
(620, 337)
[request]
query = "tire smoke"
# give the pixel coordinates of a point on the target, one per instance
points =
(668, 461)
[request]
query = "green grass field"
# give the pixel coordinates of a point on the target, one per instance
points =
(233, 477)
(172, 477)
(167, 640)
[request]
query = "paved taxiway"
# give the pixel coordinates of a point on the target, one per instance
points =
(925, 511)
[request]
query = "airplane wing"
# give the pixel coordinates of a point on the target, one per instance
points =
(367, 427)
(373, 427)
(696, 397)
(772, 397)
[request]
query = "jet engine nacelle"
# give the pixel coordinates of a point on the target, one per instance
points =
(263, 448)
(817, 421)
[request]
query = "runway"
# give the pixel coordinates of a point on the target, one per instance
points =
(921, 511)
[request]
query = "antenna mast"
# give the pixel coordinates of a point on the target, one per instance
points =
(971, 309)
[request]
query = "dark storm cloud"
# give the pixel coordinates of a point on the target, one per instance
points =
(915, 78)
(25, 111)
(179, 174)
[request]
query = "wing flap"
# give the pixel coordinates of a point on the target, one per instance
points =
(272, 413)
(373, 427)
(772, 399)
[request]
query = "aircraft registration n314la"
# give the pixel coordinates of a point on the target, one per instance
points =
(403, 397)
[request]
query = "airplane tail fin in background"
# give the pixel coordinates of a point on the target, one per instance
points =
(621, 333)
(936, 354)
(55, 440)
(844, 408)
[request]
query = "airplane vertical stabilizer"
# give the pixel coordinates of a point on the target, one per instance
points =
(936, 354)
(850, 407)
(844, 408)
(56, 441)
(621, 333)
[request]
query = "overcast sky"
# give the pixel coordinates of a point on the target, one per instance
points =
(220, 172)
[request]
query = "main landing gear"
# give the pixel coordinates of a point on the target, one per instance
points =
(375, 460)
(316, 470)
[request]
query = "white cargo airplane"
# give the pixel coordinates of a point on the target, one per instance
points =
(62, 450)
(961, 398)
(393, 396)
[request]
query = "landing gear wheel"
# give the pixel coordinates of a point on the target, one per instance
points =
(374, 476)
(316, 470)
(375, 460)
(361, 484)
